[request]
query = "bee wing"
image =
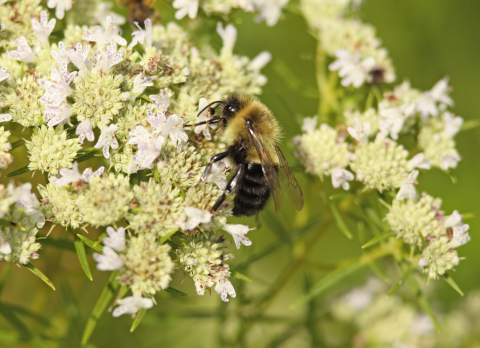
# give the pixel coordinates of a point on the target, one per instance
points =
(268, 166)
(289, 182)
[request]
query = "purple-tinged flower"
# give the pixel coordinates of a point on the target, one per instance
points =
(143, 36)
(115, 239)
(4, 74)
(43, 28)
(60, 7)
(107, 140)
(84, 130)
(23, 53)
(68, 176)
(109, 260)
(60, 56)
(57, 115)
(238, 233)
(131, 305)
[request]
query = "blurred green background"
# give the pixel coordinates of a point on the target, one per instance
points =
(427, 40)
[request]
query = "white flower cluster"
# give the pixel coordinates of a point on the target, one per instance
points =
(268, 10)
(88, 89)
(353, 45)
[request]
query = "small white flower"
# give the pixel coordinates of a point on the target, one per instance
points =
(4, 74)
(43, 28)
(57, 115)
(260, 61)
(270, 11)
(229, 36)
(204, 116)
(115, 239)
(351, 69)
(61, 6)
(23, 53)
(5, 247)
(24, 198)
(109, 57)
(427, 103)
(449, 160)
(145, 37)
(5, 117)
(193, 217)
(238, 233)
(454, 220)
(84, 130)
(224, 287)
(185, 7)
(107, 140)
(60, 56)
(341, 177)
(79, 57)
(359, 132)
(109, 261)
(58, 89)
(407, 189)
(139, 85)
(161, 100)
(453, 124)
(102, 38)
(149, 147)
(309, 124)
(104, 10)
(419, 161)
(391, 119)
(171, 126)
(460, 237)
(131, 305)
(68, 176)
(217, 175)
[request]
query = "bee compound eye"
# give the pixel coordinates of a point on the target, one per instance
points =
(231, 108)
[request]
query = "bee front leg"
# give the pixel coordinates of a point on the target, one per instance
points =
(216, 158)
(229, 189)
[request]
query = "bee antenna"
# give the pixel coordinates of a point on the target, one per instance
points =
(206, 107)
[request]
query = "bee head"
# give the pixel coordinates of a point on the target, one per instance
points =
(231, 107)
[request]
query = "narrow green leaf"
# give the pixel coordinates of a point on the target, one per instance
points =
(468, 216)
(107, 295)
(166, 237)
(340, 222)
(143, 96)
(27, 312)
(328, 281)
(87, 156)
(82, 257)
(470, 124)
(422, 300)
(17, 143)
(39, 274)
(5, 273)
(408, 270)
(15, 321)
(422, 238)
(175, 291)
(372, 214)
(378, 271)
(9, 337)
(98, 248)
(339, 195)
(12, 224)
(241, 276)
(452, 283)
(59, 243)
(378, 238)
(19, 171)
(138, 319)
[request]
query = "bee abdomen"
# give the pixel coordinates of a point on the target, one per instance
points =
(252, 193)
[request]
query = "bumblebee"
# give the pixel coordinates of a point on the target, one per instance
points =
(260, 169)
(138, 10)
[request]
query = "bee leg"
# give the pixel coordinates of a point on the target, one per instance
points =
(212, 121)
(229, 189)
(216, 158)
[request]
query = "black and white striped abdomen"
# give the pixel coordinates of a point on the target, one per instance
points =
(252, 192)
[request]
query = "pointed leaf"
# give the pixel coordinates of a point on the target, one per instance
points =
(340, 222)
(378, 238)
(5, 273)
(38, 273)
(106, 297)
(17, 143)
(15, 321)
(87, 156)
(166, 237)
(138, 319)
(82, 257)
(98, 248)
(408, 270)
(328, 281)
(175, 291)
(452, 283)
(241, 276)
(19, 171)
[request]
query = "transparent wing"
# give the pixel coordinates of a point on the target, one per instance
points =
(290, 184)
(268, 166)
